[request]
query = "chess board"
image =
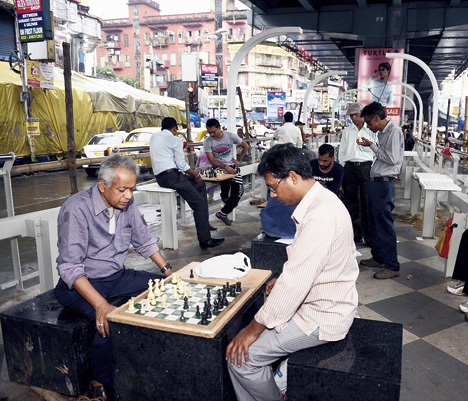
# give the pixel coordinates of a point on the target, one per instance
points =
(174, 306)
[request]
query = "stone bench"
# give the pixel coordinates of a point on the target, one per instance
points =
(364, 366)
(267, 254)
(49, 346)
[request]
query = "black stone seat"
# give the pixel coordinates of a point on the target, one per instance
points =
(364, 366)
(267, 254)
(48, 346)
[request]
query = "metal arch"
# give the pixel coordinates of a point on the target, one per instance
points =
(236, 63)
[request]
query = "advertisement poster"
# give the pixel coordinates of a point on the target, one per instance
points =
(30, 21)
(276, 105)
(375, 72)
(39, 75)
(32, 126)
(209, 75)
(258, 101)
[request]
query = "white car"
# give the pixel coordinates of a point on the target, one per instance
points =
(97, 145)
(261, 130)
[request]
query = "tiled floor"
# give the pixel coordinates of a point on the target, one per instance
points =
(435, 356)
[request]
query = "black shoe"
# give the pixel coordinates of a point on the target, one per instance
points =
(99, 392)
(212, 228)
(211, 243)
(357, 240)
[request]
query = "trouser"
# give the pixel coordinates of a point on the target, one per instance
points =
(254, 381)
(195, 195)
(127, 282)
(355, 186)
(231, 191)
(460, 271)
(380, 203)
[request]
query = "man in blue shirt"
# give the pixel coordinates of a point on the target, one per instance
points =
(95, 230)
(326, 170)
(172, 171)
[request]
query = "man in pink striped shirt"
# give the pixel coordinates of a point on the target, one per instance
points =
(314, 300)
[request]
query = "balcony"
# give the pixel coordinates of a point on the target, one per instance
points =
(116, 66)
(116, 44)
(236, 38)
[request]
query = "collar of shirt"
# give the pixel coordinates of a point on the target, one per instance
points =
(306, 201)
(388, 127)
(99, 205)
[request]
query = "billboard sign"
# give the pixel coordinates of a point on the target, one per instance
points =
(209, 75)
(30, 20)
(276, 104)
(375, 72)
(39, 75)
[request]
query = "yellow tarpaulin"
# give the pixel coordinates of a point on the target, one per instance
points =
(98, 105)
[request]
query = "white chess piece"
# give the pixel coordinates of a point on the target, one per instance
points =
(190, 290)
(163, 300)
(148, 304)
(174, 278)
(131, 305)
(163, 286)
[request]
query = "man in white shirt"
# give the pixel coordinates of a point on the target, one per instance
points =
(314, 300)
(357, 161)
(288, 132)
(172, 171)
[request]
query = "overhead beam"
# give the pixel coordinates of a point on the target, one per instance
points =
(362, 3)
(396, 3)
(307, 6)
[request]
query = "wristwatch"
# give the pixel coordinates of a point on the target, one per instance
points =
(167, 267)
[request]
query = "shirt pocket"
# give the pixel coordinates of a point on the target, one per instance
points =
(123, 239)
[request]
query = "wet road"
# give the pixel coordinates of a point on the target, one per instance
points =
(34, 192)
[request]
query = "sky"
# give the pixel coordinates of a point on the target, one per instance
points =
(107, 9)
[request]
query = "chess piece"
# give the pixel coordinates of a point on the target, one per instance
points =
(224, 301)
(197, 313)
(182, 317)
(174, 278)
(204, 320)
(131, 305)
(148, 304)
(208, 294)
(186, 305)
(238, 287)
(150, 289)
(215, 310)
(163, 300)
(162, 287)
(191, 273)
(233, 291)
(175, 295)
(157, 291)
(190, 290)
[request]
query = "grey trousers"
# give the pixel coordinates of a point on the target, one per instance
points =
(254, 381)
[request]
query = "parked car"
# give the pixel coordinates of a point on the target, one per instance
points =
(137, 141)
(261, 130)
(96, 147)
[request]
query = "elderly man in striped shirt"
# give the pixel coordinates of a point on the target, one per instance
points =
(314, 300)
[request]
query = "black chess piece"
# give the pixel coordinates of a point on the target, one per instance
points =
(238, 287)
(182, 317)
(186, 305)
(233, 291)
(204, 320)
(208, 293)
(208, 314)
(197, 313)
(224, 302)
(191, 273)
(215, 309)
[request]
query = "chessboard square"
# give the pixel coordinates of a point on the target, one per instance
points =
(158, 309)
(189, 314)
(151, 314)
(193, 321)
(166, 312)
(199, 286)
(178, 302)
(172, 318)
(172, 306)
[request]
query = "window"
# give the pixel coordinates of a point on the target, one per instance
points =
(173, 59)
(164, 57)
(171, 37)
(127, 61)
(180, 36)
(173, 77)
(206, 35)
(147, 38)
(126, 40)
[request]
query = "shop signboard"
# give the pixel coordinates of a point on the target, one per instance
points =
(276, 104)
(209, 75)
(34, 22)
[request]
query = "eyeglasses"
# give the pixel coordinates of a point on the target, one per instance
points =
(276, 186)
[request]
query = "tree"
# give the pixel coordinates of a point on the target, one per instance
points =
(127, 79)
(105, 72)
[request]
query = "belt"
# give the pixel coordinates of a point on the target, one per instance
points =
(166, 172)
(360, 163)
(382, 179)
